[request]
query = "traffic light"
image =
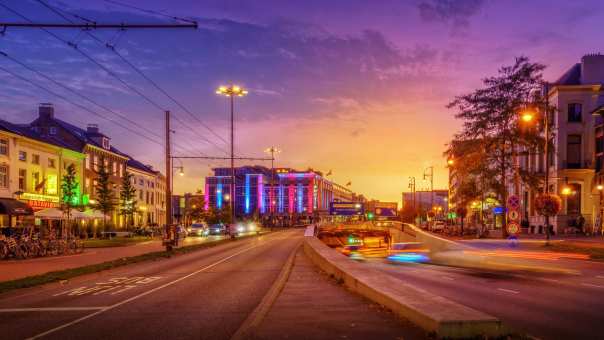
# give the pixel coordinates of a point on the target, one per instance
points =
(370, 216)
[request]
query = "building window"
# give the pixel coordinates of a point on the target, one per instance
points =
(52, 130)
(4, 147)
(141, 182)
(573, 152)
(114, 168)
(51, 163)
(95, 163)
(35, 180)
(87, 162)
(23, 156)
(88, 184)
(22, 179)
(35, 159)
(105, 143)
(147, 198)
(152, 198)
(3, 176)
(574, 112)
(140, 195)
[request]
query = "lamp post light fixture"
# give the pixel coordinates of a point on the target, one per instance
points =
(272, 151)
(232, 91)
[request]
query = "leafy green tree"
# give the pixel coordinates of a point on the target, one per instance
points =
(128, 199)
(490, 116)
(105, 200)
(69, 191)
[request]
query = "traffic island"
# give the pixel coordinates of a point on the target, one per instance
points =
(435, 314)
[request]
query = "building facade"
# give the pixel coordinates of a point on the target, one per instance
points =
(288, 192)
(150, 194)
(576, 95)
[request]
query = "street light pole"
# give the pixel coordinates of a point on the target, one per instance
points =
(431, 175)
(231, 92)
(272, 150)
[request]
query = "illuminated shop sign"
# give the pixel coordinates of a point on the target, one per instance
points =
(39, 197)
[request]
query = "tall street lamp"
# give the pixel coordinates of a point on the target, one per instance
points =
(232, 91)
(527, 116)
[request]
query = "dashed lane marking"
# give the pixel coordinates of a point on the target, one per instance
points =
(143, 294)
(508, 290)
(592, 285)
(50, 309)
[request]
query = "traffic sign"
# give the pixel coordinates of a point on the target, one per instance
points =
(513, 228)
(514, 215)
(513, 202)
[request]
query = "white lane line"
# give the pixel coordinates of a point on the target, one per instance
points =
(447, 278)
(136, 297)
(508, 290)
(49, 309)
(600, 276)
(592, 285)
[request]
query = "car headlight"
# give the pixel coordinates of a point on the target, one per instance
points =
(240, 228)
(251, 226)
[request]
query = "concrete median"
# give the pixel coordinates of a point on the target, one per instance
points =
(433, 313)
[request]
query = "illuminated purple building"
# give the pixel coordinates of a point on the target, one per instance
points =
(300, 193)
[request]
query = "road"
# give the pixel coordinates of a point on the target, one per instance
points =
(543, 305)
(205, 294)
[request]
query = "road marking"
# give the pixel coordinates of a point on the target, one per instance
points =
(447, 278)
(600, 276)
(136, 297)
(592, 285)
(125, 283)
(49, 309)
(508, 290)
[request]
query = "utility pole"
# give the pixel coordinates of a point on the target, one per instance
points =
(168, 173)
(546, 151)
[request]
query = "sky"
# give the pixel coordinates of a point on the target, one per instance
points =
(356, 87)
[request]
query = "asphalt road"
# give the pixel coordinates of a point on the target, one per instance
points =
(205, 294)
(543, 305)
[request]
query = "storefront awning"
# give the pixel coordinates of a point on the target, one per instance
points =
(50, 213)
(10, 206)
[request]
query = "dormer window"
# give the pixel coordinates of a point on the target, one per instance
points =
(105, 143)
(52, 131)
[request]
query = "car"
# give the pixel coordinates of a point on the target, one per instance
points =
(438, 226)
(217, 229)
(198, 229)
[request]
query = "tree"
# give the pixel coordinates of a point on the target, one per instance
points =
(128, 199)
(69, 191)
(105, 201)
(491, 117)
(462, 212)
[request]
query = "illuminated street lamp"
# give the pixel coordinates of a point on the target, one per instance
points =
(450, 161)
(232, 92)
(527, 116)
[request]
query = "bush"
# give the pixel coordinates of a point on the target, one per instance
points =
(548, 204)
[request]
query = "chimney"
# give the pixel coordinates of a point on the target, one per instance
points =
(46, 111)
(592, 69)
(92, 128)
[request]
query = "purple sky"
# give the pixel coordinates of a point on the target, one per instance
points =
(358, 87)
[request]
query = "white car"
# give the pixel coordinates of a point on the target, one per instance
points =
(438, 226)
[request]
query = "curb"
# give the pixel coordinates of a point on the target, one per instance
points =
(253, 321)
(435, 314)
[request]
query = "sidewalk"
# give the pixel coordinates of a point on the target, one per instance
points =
(314, 306)
(16, 269)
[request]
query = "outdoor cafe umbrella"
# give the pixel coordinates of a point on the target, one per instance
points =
(50, 213)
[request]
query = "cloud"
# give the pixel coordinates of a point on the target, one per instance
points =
(454, 12)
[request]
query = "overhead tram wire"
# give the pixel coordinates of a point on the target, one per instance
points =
(147, 78)
(148, 11)
(131, 88)
(79, 105)
(90, 100)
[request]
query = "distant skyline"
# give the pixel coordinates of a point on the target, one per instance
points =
(356, 87)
